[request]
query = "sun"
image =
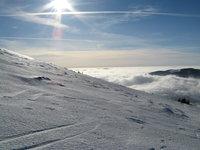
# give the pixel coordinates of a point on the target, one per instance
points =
(60, 6)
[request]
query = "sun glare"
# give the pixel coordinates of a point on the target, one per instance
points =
(58, 7)
(61, 5)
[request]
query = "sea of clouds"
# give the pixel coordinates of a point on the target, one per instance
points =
(138, 78)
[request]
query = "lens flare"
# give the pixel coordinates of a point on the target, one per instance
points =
(58, 7)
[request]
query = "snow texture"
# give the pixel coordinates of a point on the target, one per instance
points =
(43, 106)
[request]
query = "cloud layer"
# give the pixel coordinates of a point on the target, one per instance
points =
(138, 78)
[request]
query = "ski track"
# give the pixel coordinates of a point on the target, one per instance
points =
(63, 139)
(31, 133)
(44, 133)
(14, 94)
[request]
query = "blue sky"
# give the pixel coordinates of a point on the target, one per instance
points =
(103, 32)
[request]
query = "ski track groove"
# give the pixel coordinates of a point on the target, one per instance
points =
(44, 131)
(8, 138)
(36, 145)
(15, 94)
(48, 143)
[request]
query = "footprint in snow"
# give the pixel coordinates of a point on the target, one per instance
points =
(42, 78)
(28, 108)
(50, 108)
(7, 97)
(198, 133)
(54, 103)
(31, 99)
(163, 147)
(174, 112)
(168, 110)
(136, 120)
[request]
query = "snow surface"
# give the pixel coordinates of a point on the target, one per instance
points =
(43, 106)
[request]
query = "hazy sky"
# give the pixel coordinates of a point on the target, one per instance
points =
(89, 33)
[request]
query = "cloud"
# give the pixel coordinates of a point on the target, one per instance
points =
(93, 40)
(137, 78)
(40, 20)
(116, 58)
(36, 45)
(102, 19)
(100, 52)
(19, 14)
(137, 13)
(89, 18)
(170, 86)
(92, 19)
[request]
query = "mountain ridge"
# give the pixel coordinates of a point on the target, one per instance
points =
(184, 72)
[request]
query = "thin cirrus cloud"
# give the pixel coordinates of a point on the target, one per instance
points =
(40, 20)
(99, 41)
(22, 14)
(92, 19)
(117, 58)
(45, 18)
(46, 51)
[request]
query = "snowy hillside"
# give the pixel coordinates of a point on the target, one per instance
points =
(43, 106)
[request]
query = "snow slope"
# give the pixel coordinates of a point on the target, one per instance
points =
(43, 106)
